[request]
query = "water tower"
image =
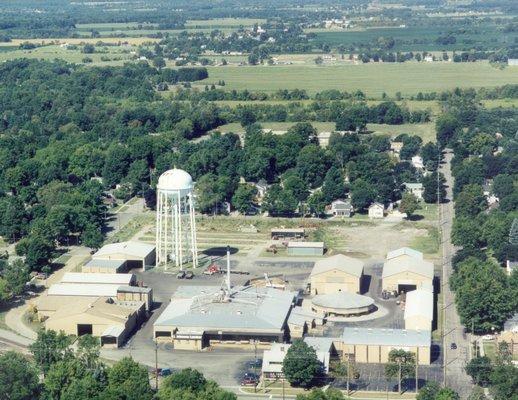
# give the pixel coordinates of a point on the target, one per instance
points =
(175, 222)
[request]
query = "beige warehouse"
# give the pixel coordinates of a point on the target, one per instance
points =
(419, 310)
(406, 273)
(336, 274)
(135, 254)
(373, 345)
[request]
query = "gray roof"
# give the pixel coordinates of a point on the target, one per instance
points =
(416, 266)
(83, 289)
(113, 264)
(318, 245)
(419, 302)
(187, 292)
(249, 308)
(320, 344)
(131, 249)
(340, 262)
(342, 300)
(98, 278)
(511, 325)
(134, 289)
(407, 251)
(413, 185)
(342, 205)
(386, 337)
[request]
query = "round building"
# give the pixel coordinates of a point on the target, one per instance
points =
(342, 304)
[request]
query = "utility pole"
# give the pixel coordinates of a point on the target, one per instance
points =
(399, 377)
(255, 364)
(283, 388)
(348, 375)
(416, 374)
(156, 364)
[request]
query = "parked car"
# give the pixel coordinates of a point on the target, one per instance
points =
(180, 275)
(453, 346)
(189, 275)
(249, 379)
(165, 371)
(255, 363)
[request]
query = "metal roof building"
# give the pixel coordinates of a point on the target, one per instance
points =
(404, 251)
(245, 314)
(342, 304)
(136, 254)
(79, 289)
(406, 273)
(340, 262)
(104, 266)
(338, 273)
(419, 309)
(98, 278)
(305, 248)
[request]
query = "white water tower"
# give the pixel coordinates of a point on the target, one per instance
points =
(175, 222)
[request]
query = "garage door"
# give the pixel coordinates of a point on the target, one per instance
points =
(406, 288)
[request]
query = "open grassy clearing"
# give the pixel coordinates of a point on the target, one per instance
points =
(133, 41)
(236, 127)
(374, 79)
(425, 131)
(223, 22)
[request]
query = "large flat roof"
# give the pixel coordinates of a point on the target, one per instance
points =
(131, 248)
(249, 309)
(407, 251)
(111, 264)
(83, 289)
(319, 245)
(419, 303)
(98, 278)
(340, 262)
(386, 337)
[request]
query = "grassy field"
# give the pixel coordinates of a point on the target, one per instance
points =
(236, 127)
(374, 79)
(426, 130)
(217, 23)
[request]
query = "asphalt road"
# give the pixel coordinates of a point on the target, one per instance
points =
(455, 360)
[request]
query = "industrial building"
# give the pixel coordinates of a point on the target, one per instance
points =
(338, 273)
(342, 304)
(404, 253)
(305, 248)
(405, 273)
(102, 317)
(98, 278)
(373, 345)
(104, 266)
(419, 309)
(198, 317)
(135, 254)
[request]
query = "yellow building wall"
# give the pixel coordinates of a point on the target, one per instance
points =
(374, 354)
(391, 283)
(334, 281)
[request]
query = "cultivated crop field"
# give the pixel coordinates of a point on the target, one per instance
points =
(374, 79)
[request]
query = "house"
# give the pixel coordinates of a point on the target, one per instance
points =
(419, 310)
(416, 189)
(342, 208)
(512, 62)
(395, 147)
(376, 210)
(417, 162)
(336, 274)
(273, 359)
(510, 266)
(428, 58)
(262, 187)
(510, 334)
(487, 189)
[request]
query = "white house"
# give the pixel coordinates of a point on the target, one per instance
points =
(417, 162)
(341, 208)
(376, 210)
(416, 189)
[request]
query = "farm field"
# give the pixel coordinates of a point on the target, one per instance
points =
(374, 79)
(425, 131)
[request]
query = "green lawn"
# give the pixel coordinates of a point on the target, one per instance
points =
(374, 78)
(428, 244)
(426, 130)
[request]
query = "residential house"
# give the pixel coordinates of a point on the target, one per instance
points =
(342, 208)
(417, 162)
(416, 189)
(376, 210)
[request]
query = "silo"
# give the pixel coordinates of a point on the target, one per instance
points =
(175, 222)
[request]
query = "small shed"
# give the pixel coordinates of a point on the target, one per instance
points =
(376, 210)
(306, 248)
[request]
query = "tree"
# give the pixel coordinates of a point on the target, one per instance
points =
(158, 62)
(37, 249)
(278, 201)
(243, 198)
(127, 380)
(477, 393)
(483, 296)
(49, 348)
(409, 204)
(92, 236)
(187, 378)
(446, 127)
(504, 382)
(296, 185)
(312, 164)
(213, 190)
(334, 186)
(88, 351)
(428, 391)
(470, 201)
(430, 186)
(319, 60)
(401, 364)
(503, 185)
(301, 365)
(16, 275)
(479, 369)
(319, 394)
(447, 394)
(362, 194)
(317, 203)
(467, 232)
(18, 377)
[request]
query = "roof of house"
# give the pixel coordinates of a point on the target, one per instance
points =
(320, 344)
(112, 264)
(511, 325)
(342, 300)
(419, 303)
(249, 308)
(131, 248)
(376, 204)
(98, 278)
(407, 251)
(386, 337)
(408, 264)
(349, 265)
(306, 244)
(83, 289)
(342, 205)
(413, 185)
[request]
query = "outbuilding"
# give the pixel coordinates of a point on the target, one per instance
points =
(135, 254)
(336, 274)
(376, 210)
(419, 309)
(305, 248)
(287, 233)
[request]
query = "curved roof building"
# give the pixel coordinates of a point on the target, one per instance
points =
(342, 304)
